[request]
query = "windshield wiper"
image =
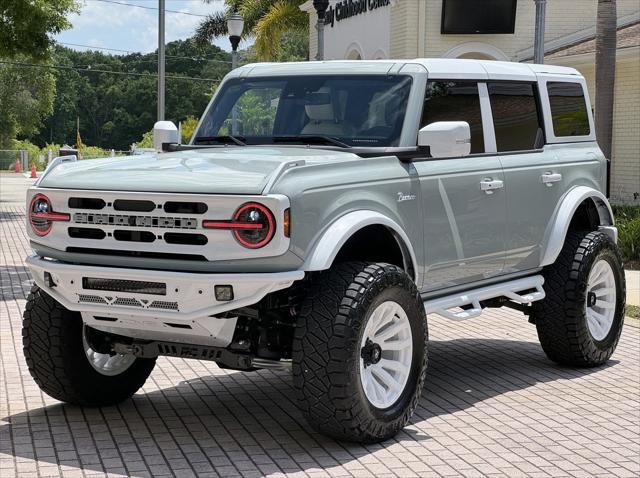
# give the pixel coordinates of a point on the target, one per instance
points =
(310, 139)
(219, 139)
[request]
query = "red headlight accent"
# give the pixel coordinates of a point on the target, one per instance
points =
(230, 225)
(42, 216)
(253, 225)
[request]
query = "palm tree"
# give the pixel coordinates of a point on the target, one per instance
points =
(605, 73)
(265, 20)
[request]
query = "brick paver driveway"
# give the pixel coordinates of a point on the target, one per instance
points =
(493, 405)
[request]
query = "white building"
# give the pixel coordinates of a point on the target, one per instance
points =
(498, 30)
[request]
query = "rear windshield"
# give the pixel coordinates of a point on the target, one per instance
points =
(357, 110)
(568, 109)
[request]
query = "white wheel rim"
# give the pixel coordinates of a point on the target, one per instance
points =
(600, 302)
(389, 329)
(107, 364)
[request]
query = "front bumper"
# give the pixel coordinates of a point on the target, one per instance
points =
(188, 295)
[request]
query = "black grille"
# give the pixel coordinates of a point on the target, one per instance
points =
(120, 285)
(144, 254)
(134, 236)
(185, 207)
(86, 233)
(184, 238)
(86, 203)
(133, 205)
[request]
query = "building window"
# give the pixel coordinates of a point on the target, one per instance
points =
(568, 109)
(455, 101)
(516, 119)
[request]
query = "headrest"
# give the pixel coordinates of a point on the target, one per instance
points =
(318, 105)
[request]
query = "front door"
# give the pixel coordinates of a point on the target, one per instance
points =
(463, 198)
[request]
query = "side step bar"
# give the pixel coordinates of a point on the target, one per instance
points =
(521, 291)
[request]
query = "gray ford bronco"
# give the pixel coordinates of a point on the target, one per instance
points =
(319, 214)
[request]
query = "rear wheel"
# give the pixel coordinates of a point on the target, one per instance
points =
(64, 364)
(360, 351)
(580, 321)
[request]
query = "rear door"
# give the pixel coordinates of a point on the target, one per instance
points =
(530, 169)
(464, 225)
(537, 175)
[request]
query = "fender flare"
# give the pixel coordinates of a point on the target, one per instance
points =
(338, 233)
(559, 226)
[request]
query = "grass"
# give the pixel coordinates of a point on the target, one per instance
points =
(628, 223)
(633, 311)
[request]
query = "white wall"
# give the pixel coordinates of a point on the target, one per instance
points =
(368, 34)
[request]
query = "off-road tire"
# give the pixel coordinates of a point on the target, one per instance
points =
(52, 338)
(326, 351)
(560, 317)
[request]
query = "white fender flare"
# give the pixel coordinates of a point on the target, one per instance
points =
(339, 232)
(558, 227)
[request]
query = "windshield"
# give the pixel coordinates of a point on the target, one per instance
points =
(347, 110)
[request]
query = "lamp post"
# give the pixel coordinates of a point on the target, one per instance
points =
(321, 8)
(235, 26)
(538, 42)
(160, 60)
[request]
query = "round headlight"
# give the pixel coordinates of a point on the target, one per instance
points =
(41, 215)
(258, 225)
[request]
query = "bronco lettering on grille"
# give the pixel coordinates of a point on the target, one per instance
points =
(136, 221)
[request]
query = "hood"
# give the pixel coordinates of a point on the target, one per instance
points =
(224, 170)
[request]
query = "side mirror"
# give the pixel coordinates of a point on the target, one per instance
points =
(164, 132)
(446, 139)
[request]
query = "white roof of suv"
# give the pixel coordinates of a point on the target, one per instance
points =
(436, 68)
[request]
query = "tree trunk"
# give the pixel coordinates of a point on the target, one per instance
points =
(605, 73)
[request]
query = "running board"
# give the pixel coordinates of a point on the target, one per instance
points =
(521, 291)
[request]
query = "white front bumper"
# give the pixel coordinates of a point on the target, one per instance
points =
(189, 298)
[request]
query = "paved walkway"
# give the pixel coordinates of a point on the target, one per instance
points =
(493, 405)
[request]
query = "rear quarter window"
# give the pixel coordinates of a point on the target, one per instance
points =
(569, 112)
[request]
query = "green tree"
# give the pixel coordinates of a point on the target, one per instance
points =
(26, 96)
(115, 110)
(188, 127)
(26, 26)
(266, 20)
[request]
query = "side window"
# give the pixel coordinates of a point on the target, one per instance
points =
(455, 101)
(568, 109)
(515, 116)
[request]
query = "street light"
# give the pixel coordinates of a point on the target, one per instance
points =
(321, 8)
(235, 26)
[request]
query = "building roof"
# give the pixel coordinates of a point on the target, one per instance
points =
(628, 36)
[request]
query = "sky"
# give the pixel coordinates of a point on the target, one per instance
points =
(109, 24)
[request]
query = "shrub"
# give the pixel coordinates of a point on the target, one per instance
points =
(628, 223)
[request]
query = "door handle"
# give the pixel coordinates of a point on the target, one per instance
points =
(489, 185)
(550, 178)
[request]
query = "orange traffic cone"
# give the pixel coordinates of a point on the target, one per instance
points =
(18, 166)
(33, 171)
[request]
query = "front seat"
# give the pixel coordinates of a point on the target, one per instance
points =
(324, 117)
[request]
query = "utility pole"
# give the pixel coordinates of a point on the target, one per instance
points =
(160, 60)
(538, 44)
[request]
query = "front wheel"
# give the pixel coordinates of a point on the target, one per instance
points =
(65, 366)
(360, 351)
(580, 320)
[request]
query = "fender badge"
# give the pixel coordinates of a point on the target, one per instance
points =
(405, 197)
